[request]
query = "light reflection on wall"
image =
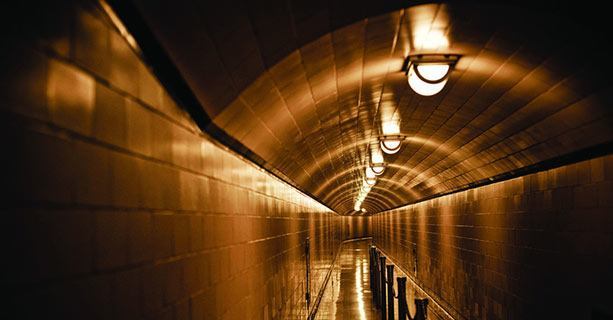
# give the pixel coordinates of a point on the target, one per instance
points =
(429, 27)
(425, 38)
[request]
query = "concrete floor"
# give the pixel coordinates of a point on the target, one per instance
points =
(348, 295)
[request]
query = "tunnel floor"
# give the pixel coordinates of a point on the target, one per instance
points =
(348, 294)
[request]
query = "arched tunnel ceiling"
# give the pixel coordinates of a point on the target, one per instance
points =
(305, 85)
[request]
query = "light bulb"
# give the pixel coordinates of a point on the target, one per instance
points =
(432, 71)
(390, 146)
(424, 88)
(377, 168)
(390, 127)
(376, 156)
(377, 163)
(370, 173)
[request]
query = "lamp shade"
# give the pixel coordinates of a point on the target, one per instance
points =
(428, 79)
(432, 72)
(370, 174)
(377, 168)
(377, 163)
(390, 146)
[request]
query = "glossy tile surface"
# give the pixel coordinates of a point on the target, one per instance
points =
(310, 101)
(516, 249)
(123, 209)
(348, 295)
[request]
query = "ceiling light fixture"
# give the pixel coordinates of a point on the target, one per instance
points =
(377, 163)
(428, 73)
(371, 177)
(391, 140)
(371, 181)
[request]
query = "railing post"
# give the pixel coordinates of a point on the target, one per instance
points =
(382, 288)
(402, 298)
(390, 292)
(421, 307)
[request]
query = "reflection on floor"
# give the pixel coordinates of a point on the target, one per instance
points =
(347, 295)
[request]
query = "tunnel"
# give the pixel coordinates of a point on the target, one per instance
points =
(273, 159)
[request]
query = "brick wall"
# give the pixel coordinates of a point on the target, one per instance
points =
(537, 246)
(118, 207)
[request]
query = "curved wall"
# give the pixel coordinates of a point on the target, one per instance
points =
(120, 208)
(534, 247)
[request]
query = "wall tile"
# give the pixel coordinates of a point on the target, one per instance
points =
(111, 240)
(109, 123)
(92, 175)
(157, 220)
(70, 97)
(525, 246)
(91, 44)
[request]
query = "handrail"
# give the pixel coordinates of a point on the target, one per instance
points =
(380, 283)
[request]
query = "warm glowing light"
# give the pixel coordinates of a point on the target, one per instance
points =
(377, 163)
(391, 140)
(422, 87)
(377, 156)
(378, 169)
(370, 174)
(432, 71)
(119, 25)
(425, 38)
(390, 127)
(371, 181)
(390, 146)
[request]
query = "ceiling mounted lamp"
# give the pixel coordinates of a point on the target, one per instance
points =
(371, 181)
(391, 140)
(377, 163)
(391, 144)
(371, 177)
(428, 73)
(370, 173)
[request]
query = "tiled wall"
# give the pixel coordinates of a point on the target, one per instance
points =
(356, 227)
(119, 208)
(534, 247)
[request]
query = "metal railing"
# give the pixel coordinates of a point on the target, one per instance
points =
(383, 293)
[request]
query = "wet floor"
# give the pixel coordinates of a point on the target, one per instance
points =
(348, 295)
